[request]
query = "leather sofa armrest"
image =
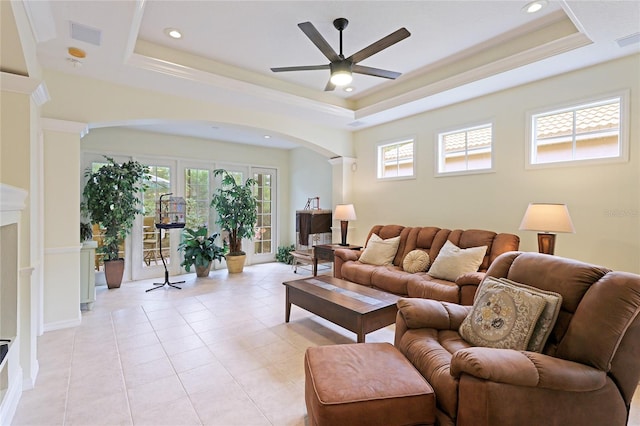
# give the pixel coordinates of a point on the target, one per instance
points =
(427, 313)
(341, 256)
(522, 368)
(468, 284)
(346, 255)
(470, 278)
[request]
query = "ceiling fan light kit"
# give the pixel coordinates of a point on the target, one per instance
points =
(341, 73)
(341, 68)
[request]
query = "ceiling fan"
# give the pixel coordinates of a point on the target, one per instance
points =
(341, 67)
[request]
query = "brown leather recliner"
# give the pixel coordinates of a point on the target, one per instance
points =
(586, 374)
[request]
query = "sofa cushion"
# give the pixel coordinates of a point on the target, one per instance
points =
(416, 261)
(452, 261)
(503, 316)
(547, 318)
(380, 252)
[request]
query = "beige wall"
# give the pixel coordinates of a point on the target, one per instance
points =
(604, 200)
(97, 102)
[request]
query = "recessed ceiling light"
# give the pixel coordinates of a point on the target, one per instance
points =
(535, 6)
(173, 33)
(349, 89)
(267, 137)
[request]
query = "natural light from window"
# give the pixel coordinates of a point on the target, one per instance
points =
(396, 159)
(590, 131)
(465, 150)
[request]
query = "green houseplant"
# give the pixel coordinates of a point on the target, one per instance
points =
(111, 199)
(236, 207)
(199, 250)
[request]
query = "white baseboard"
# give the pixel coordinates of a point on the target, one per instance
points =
(9, 404)
(58, 325)
(29, 383)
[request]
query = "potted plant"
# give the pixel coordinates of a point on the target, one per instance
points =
(111, 199)
(199, 250)
(236, 207)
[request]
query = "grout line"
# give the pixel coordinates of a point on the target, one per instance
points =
(124, 382)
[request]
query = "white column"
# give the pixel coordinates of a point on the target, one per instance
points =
(62, 223)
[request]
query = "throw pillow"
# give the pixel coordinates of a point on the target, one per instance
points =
(452, 261)
(503, 316)
(380, 252)
(416, 261)
(547, 318)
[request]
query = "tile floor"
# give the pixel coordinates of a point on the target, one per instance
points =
(215, 353)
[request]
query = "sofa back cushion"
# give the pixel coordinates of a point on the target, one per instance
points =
(474, 238)
(389, 231)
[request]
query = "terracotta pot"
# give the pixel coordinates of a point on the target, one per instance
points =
(113, 271)
(235, 263)
(203, 271)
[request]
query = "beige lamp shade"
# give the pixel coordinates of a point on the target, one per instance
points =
(547, 218)
(344, 212)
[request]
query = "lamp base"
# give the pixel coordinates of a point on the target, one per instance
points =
(546, 243)
(343, 232)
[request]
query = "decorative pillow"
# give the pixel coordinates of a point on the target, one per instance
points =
(503, 316)
(547, 318)
(452, 261)
(416, 261)
(380, 252)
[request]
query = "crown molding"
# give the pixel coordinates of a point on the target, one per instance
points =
(175, 70)
(64, 126)
(538, 53)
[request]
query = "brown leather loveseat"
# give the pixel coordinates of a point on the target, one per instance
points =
(586, 373)
(393, 279)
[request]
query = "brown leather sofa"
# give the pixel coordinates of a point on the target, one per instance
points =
(586, 374)
(394, 279)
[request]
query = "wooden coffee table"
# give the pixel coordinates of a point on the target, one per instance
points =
(355, 307)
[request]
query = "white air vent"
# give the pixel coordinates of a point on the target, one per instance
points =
(87, 34)
(628, 40)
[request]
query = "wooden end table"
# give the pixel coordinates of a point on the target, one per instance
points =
(325, 252)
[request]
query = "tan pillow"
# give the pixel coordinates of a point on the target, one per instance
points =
(379, 251)
(503, 316)
(547, 318)
(452, 261)
(416, 261)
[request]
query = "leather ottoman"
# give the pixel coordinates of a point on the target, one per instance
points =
(365, 384)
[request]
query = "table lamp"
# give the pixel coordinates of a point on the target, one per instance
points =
(344, 213)
(547, 219)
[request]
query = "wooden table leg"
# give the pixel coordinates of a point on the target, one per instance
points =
(287, 306)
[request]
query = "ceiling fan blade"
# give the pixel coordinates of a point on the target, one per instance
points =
(319, 41)
(301, 68)
(329, 87)
(376, 72)
(379, 45)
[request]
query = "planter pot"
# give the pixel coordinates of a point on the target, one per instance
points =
(113, 271)
(235, 264)
(203, 271)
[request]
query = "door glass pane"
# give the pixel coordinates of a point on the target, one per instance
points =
(154, 240)
(198, 198)
(263, 235)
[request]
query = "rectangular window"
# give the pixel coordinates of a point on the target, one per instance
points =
(396, 160)
(465, 150)
(589, 131)
(198, 197)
